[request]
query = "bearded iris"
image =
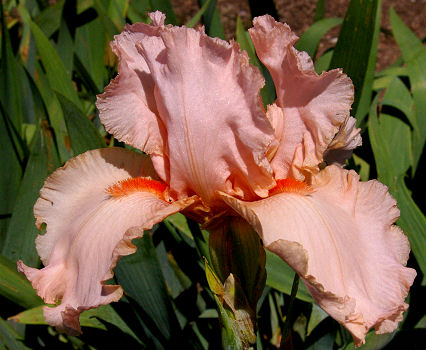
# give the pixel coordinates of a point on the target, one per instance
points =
(192, 104)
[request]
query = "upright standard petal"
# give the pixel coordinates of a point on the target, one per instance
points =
(338, 235)
(208, 99)
(312, 108)
(93, 207)
(127, 108)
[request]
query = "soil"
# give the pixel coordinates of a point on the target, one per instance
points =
(299, 14)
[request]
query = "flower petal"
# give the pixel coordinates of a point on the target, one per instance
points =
(127, 108)
(341, 241)
(208, 99)
(90, 225)
(314, 108)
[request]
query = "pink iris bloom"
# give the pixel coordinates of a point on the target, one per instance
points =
(192, 103)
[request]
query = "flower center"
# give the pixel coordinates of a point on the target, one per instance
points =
(291, 186)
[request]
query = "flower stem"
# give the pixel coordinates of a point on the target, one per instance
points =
(287, 324)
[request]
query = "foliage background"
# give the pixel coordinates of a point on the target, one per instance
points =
(55, 58)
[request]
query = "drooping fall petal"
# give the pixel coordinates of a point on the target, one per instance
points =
(127, 108)
(338, 235)
(310, 109)
(93, 207)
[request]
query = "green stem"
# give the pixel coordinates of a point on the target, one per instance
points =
(286, 330)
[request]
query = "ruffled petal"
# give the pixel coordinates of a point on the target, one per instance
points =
(314, 108)
(93, 207)
(338, 236)
(208, 99)
(127, 108)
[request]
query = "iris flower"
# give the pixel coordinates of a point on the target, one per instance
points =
(192, 103)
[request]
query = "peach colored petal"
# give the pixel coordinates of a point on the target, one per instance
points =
(208, 99)
(341, 241)
(89, 227)
(314, 108)
(127, 108)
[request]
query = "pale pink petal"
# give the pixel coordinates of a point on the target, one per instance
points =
(208, 99)
(339, 238)
(88, 228)
(127, 108)
(314, 107)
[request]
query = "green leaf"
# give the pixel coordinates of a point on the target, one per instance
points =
(412, 221)
(88, 318)
(117, 12)
(244, 40)
(82, 133)
(323, 63)
(55, 70)
(194, 20)
(355, 43)
(90, 50)
(175, 278)
(10, 338)
(55, 115)
(319, 10)
(15, 287)
(21, 233)
(110, 27)
(65, 48)
(390, 142)
(324, 343)
(10, 179)
(141, 277)
(9, 88)
(363, 168)
(367, 87)
(137, 11)
(373, 341)
(49, 19)
(280, 276)
(317, 316)
(211, 20)
(165, 6)
(414, 55)
(310, 39)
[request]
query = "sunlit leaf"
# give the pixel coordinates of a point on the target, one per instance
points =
(414, 55)
(310, 39)
(355, 43)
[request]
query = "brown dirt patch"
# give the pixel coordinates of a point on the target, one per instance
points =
(299, 15)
